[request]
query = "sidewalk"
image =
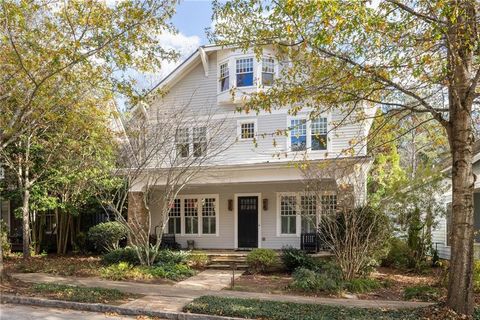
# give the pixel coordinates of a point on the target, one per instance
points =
(174, 298)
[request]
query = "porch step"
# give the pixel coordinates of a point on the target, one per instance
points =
(227, 266)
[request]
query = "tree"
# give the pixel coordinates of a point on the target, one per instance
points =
(408, 56)
(73, 43)
(162, 150)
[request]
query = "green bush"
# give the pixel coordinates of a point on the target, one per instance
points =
(362, 285)
(126, 254)
(123, 271)
(79, 294)
(310, 281)
(262, 260)
(106, 235)
(423, 293)
(398, 254)
(176, 272)
(172, 257)
(198, 260)
(293, 258)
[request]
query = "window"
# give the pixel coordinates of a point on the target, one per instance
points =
(208, 216)
(224, 77)
(319, 134)
(191, 215)
(329, 203)
(199, 141)
(298, 134)
(244, 70)
(174, 220)
(247, 130)
(448, 226)
(182, 142)
(288, 214)
(268, 70)
(308, 207)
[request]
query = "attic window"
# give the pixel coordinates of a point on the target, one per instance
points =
(224, 77)
(244, 70)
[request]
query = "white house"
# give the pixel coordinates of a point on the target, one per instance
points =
(252, 194)
(440, 235)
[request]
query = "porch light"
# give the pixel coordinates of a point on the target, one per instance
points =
(265, 204)
(230, 205)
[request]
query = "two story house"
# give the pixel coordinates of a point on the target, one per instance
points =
(254, 194)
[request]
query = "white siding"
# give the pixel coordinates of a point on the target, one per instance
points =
(200, 94)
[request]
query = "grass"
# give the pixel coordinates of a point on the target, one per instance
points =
(422, 293)
(80, 294)
(274, 310)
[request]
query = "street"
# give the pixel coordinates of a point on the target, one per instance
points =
(22, 312)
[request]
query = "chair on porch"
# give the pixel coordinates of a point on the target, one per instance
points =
(311, 242)
(168, 240)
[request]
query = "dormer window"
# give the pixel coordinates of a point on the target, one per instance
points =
(224, 77)
(268, 70)
(244, 71)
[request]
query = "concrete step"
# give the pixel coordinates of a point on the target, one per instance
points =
(227, 266)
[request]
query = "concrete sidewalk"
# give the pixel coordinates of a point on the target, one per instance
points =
(174, 297)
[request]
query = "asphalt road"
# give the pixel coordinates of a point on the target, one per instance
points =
(22, 312)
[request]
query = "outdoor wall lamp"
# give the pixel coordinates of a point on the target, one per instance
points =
(265, 204)
(230, 204)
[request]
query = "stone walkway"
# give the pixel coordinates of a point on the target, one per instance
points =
(173, 298)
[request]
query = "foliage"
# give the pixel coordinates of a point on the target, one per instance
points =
(198, 260)
(262, 260)
(422, 293)
(398, 254)
(275, 310)
(294, 258)
(126, 254)
(106, 236)
(313, 281)
(79, 294)
(356, 238)
(4, 240)
(126, 271)
(168, 256)
(362, 285)
(476, 276)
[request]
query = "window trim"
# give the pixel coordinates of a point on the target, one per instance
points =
(309, 134)
(199, 197)
(298, 195)
(239, 129)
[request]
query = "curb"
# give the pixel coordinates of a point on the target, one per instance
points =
(98, 307)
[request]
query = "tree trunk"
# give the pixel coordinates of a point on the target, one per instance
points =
(460, 289)
(26, 223)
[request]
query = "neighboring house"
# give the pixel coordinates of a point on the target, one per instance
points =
(252, 195)
(441, 234)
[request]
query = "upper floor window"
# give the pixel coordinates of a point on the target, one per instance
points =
(182, 142)
(247, 130)
(224, 77)
(199, 141)
(244, 71)
(298, 134)
(319, 134)
(268, 70)
(306, 135)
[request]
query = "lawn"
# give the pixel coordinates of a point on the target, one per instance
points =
(273, 310)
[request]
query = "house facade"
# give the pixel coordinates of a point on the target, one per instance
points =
(442, 233)
(254, 194)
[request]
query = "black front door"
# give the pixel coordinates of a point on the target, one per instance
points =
(247, 222)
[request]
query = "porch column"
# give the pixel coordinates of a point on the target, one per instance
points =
(138, 218)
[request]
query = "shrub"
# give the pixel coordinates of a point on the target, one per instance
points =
(293, 258)
(476, 276)
(398, 254)
(362, 285)
(311, 281)
(261, 260)
(123, 271)
(423, 293)
(107, 235)
(169, 271)
(198, 260)
(126, 254)
(172, 257)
